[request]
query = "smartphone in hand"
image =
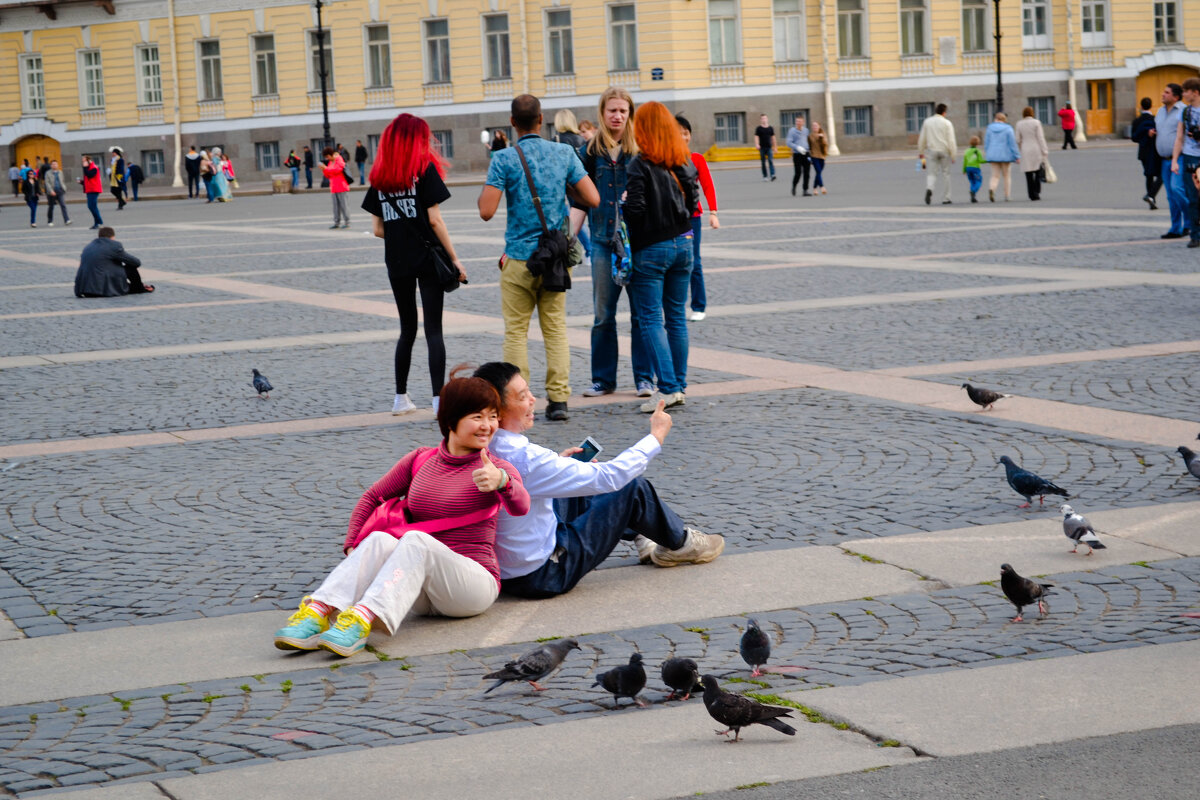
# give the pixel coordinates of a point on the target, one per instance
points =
(590, 448)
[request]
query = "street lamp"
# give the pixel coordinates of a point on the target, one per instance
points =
(996, 36)
(321, 72)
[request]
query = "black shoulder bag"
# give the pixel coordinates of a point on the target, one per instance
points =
(551, 260)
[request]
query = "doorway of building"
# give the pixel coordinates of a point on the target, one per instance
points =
(1099, 113)
(37, 146)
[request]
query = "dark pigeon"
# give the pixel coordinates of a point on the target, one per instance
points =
(534, 665)
(1026, 484)
(983, 397)
(1189, 458)
(624, 681)
(261, 385)
(755, 647)
(683, 676)
(1022, 591)
(1080, 531)
(736, 712)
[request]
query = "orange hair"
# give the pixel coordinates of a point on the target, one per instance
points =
(658, 136)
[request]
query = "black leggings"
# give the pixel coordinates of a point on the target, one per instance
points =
(404, 289)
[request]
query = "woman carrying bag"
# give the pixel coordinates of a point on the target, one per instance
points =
(1031, 141)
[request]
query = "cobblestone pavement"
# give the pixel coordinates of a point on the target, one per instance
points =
(167, 730)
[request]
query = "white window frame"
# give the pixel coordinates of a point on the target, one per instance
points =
(724, 32)
(977, 20)
(868, 118)
(444, 140)
(33, 84)
(974, 117)
(1031, 37)
(914, 27)
(849, 16)
(721, 134)
(91, 78)
(442, 42)
(914, 119)
(377, 54)
(311, 56)
(261, 151)
(153, 163)
(560, 42)
(263, 85)
(1167, 23)
(790, 32)
(149, 75)
(206, 91)
(626, 25)
(1044, 103)
(497, 48)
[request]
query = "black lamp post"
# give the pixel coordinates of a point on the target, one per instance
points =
(996, 36)
(321, 72)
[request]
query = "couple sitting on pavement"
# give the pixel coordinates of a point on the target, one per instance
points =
(488, 510)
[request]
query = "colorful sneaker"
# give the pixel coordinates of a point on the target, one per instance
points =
(347, 636)
(597, 389)
(645, 389)
(698, 548)
(303, 629)
(644, 548)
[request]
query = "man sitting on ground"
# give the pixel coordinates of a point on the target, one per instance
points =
(106, 270)
(579, 511)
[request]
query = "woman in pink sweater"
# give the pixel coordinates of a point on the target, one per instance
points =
(335, 171)
(453, 491)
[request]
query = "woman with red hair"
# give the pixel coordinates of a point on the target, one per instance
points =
(405, 192)
(661, 193)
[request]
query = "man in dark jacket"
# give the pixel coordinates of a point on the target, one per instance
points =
(309, 163)
(136, 177)
(106, 270)
(360, 158)
(191, 163)
(1144, 133)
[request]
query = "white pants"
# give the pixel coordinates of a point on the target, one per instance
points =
(391, 576)
(939, 168)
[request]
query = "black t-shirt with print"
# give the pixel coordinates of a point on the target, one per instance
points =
(764, 133)
(405, 215)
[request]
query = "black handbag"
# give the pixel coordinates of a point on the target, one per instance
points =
(444, 271)
(551, 261)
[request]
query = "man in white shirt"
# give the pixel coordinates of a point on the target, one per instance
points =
(580, 510)
(937, 138)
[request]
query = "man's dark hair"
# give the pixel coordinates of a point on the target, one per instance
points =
(940, 109)
(525, 112)
(1146, 103)
(193, 147)
(683, 122)
(106, 233)
(498, 374)
(1176, 90)
(1192, 85)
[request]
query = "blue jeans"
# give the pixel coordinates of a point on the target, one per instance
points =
(210, 188)
(295, 177)
(974, 178)
(94, 207)
(605, 295)
(308, 176)
(699, 299)
(33, 204)
(658, 295)
(818, 165)
(588, 530)
(362, 173)
(1192, 217)
(766, 158)
(1176, 197)
(585, 238)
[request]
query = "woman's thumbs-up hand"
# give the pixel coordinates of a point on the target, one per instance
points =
(489, 477)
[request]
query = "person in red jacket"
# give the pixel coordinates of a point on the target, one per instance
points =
(93, 185)
(699, 299)
(335, 171)
(1066, 115)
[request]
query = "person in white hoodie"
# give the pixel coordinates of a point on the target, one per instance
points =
(937, 139)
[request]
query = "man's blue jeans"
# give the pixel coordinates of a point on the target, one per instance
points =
(308, 176)
(1192, 217)
(605, 295)
(658, 296)
(1176, 197)
(766, 158)
(588, 530)
(93, 204)
(699, 299)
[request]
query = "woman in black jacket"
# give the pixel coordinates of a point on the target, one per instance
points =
(661, 193)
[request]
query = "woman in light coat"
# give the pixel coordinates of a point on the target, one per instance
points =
(1031, 140)
(1000, 149)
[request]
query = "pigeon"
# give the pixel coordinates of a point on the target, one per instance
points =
(1189, 458)
(534, 665)
(1022, 591)
(736, 712)
(983, 397)
(624, 681)
(755, 647)
(1026, 484)
(1080, 531)
(262, 385)
(683, 676)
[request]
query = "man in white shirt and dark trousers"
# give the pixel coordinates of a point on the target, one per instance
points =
(797, 142)
(580, 510)
(937, 139)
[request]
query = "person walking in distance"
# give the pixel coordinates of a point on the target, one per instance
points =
(972, 167)
(699, 297)
(1186, 156)
(557, 172)
(765, 136)
(31, 189)
(1031, 141)
(1066, 118)
(309, 163)
(1000, 149)
(1164, 133)
(797, 141)
(56, 189)
(335, 171)
(293, 164)
(937, 139)
(116, 176)
(191, 165)
(818, 151)
(1147, 153)
(360, 159)
(93, 184)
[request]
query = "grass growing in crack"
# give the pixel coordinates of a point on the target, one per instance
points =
(245, 687)
(888, 743)
(53, 612)
(33, 717)
(208, 698)
(1145, 564)
(754, 785)
(863, 557)
(539, 640)
(988, 583)
(703, 632)
(286, 686)
(260, 677)
(761, 684)
(125, 704)
(812, 714)
(81, 713)
(384, 656)
(337, 666)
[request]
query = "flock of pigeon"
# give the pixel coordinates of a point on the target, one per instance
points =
(681, 675)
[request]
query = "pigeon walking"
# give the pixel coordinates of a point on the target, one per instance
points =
(624, 681)
(983, 397)
(534, 665)
(1027, 484)
(1022, 591)
(736, 712)
(261, 385)
(1189, 458)
(755, 647)
(1080, 531)
(683, 676)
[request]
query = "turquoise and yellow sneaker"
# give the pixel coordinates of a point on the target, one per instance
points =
(347, 636)
(303, 629)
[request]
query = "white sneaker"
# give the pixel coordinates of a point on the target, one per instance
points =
(670, 400)
(49, 224)
(696, 316)
(587, 261)
(644, 548)
(402, 405)
(596, 390)
(699, 548)
(436, 400)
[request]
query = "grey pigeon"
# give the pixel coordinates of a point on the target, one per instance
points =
(983, 397)
(1189, 458)
(261, 385)
(755, 647)
(1022, 591)
(736, 712)
(683, 676)
(1026, 484)
(1080, 531)
(624, 681)
(534, 665)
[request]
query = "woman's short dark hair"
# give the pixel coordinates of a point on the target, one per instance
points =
(683, 122)
(461, 397)
(498, 374)
(1146, 103)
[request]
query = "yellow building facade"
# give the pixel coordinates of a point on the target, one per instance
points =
(156, 76)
